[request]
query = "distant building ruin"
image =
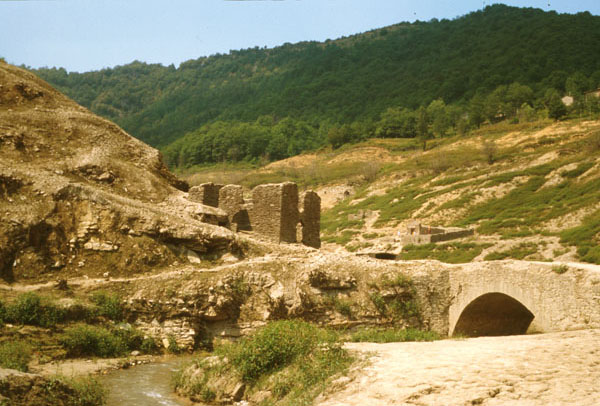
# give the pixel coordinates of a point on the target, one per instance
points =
(275, 211)
(418, 233)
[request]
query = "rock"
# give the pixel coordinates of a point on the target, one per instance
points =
(260, 396)
(193, 257)
(135, 353)
(321, 280)
(238, 392)
(277, 291)
(61, 284)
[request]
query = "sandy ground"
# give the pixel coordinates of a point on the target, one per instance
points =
(546, 369)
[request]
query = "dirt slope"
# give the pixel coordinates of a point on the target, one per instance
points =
(78, 195)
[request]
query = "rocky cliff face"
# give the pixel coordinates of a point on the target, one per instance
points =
(195, 306)
(79, 196)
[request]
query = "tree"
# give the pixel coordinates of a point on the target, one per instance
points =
(423, 126)
(577, 84)
(397, 123)
(437, 113)
(477, 110)
(496, 106)
(554, 104)
(518, 95)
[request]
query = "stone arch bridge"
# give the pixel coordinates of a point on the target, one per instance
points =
(515, 297)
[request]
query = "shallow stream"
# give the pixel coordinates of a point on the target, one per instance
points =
(144, 385)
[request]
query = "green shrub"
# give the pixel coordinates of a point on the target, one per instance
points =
(403, 308)
(452, 253)
(292, 359)
(108, 305)
(380, 335)
(173, 348)
(519, 252)
(2, 313)
(30, 308)
(86, 391)
(584, 238)
(15, 355)
(379, 302)
(560, 269)
(85, 340)
(273, 347)
(343, 307)
(149, 346)
(398, 281)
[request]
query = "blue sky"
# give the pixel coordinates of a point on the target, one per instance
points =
(83, 35)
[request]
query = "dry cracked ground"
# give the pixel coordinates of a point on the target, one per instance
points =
(534, 370)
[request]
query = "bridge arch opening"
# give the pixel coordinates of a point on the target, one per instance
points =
(493, 314)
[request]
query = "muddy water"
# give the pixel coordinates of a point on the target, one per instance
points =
(144, 385)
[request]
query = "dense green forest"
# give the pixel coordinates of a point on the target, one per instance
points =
(418, 79)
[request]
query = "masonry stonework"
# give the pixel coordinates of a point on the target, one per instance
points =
(275, 211)
(206, 193)
(310, 219)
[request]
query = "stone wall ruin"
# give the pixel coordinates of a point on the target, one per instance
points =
(274, 210)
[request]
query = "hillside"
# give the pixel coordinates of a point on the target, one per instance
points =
(103, 254)
(349, 80)
(530, 191)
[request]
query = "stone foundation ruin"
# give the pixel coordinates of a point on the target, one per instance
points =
(275, 210)
(417, 233)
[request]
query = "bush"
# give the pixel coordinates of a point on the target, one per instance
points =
(560, 269)
(379, 302)
(149, 346)
(30, 308)
(89, 391)
(84, 340)
(377, 335)
(173, 348)
(275, 346)
(2, 313)
(15, 355)
(84, 391)
(109, 305)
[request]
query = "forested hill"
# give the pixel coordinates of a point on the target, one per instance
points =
(352, 79)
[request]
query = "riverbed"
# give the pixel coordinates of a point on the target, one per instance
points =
(558, 369)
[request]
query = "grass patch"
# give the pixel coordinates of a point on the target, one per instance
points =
(399, 303)
(275, 346)
(85, 340)
(32, 309)
(343, 238)
(521, 251)
(586, 238)
(560, 269)
(392, 335)
(529, 205)
(452, 253)
(108, 305)
(292, 359)
(84, 391)
(580, 170)
(15, 355)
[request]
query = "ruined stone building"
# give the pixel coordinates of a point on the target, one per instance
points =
(418, 233)
(276, 211)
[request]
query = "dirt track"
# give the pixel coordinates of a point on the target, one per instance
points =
(547, 369)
